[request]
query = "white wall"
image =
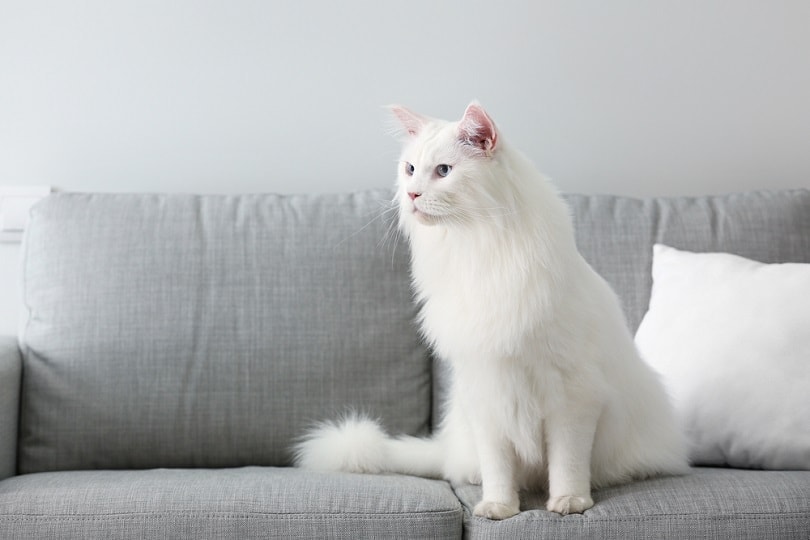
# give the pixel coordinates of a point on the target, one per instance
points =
(633, 97)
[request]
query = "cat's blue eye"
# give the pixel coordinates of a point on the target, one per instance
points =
(409, 169)
(443, 170)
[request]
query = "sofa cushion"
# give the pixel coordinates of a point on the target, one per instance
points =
(244, 503)
(707, 503)
(186, 331)
(616, 234)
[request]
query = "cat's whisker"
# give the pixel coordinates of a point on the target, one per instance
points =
(378, 216)
(391, 235)
(493, 215)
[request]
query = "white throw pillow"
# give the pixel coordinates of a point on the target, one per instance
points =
(731, 339)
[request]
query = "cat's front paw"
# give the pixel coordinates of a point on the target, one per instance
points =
(569, 504)
(495, 510)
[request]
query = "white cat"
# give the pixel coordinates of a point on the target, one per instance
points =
(548, 390)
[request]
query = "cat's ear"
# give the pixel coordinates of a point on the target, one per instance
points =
(410, 122)
(477, 129)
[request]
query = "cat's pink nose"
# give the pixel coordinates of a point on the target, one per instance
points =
(414, 195)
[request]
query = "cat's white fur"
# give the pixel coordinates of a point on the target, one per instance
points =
(548, 390)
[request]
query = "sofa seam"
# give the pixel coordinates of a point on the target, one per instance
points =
(660, 517)
(222, 515)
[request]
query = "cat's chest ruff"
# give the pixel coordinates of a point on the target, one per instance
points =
(458, 279)
(476, 299)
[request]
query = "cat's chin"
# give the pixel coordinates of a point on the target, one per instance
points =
(414, 214)
(424, 219)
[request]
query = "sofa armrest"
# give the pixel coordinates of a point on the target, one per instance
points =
(10, 378)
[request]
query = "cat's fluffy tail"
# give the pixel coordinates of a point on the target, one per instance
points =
(359, 444)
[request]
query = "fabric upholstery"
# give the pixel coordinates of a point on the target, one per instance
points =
(616, 234)
(707, 503)
(10, 371)
(189, 331)
(207, 331)
(241, 503)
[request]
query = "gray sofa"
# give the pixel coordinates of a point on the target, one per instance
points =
(176, 345)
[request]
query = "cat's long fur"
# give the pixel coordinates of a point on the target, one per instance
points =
(548, 389)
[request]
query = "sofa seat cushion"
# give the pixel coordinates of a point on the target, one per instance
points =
(707, 503)
(251, 502)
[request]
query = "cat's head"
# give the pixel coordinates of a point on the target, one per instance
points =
(446, 169)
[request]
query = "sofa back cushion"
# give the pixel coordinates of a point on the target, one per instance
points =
(209, 330)
(186, 331)
(616, 234)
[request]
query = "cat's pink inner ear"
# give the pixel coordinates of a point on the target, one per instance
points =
(477, 128)
(411, 122)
